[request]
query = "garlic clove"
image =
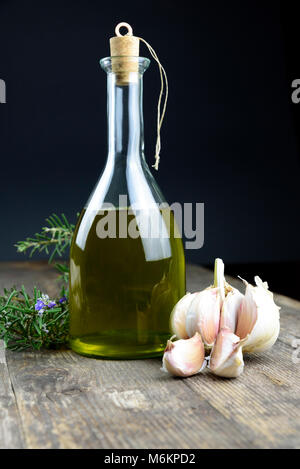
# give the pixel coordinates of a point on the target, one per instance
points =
(184, 357)
(203, 315)
(226, 358)
(258, 318)
(230, 308)
(178, 316)
(247, 314)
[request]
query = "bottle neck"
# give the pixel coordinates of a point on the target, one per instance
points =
(125, 118)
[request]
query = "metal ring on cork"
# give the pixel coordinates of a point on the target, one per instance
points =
(123, 25)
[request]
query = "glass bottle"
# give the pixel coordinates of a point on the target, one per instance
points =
(127, 267)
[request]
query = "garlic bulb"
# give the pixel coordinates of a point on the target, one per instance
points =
(203, 315)
(224, 320)
(230, 308)
(178, 316)
(184, 357)
(258, 318)
(226, 358)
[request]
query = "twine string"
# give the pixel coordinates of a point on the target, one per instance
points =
(160, 114)
(164, 83)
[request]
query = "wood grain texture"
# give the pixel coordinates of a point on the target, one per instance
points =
(10, 423)
(40, 274)
(58, 399)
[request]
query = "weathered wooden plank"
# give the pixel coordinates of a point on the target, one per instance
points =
(264, 402)
(68, 401)
(10, 423)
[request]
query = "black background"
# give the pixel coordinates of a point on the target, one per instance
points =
(231, 133)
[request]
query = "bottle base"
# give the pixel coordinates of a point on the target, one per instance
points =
(104, 347)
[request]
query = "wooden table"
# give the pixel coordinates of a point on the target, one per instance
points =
(57, 399)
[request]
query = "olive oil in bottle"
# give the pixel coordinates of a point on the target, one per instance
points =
(120, 301)
(127, 268)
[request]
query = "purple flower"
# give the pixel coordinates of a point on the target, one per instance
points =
(40, 305)
(63, 299)
(43, 303)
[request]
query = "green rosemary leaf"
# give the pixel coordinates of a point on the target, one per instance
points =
(25, 296)
(66, 221)
(8, 300)
(37, 328)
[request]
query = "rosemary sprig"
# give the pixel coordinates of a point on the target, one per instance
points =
(33, 322)
(53, 239)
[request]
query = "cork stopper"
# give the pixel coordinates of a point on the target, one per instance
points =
(124, 51)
